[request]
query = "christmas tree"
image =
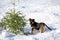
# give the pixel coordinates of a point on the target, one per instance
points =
(14, 21)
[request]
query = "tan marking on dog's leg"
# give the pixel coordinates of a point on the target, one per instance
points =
(33, 30)
(40, 30)
(44, 27)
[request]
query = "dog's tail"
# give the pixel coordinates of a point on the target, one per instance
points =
(48, 27)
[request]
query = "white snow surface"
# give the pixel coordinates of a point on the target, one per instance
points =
(47, 11)
(47, 35)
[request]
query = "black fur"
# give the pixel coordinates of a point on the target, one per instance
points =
(37, 25)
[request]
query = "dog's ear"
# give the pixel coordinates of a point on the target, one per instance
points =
(33, 19)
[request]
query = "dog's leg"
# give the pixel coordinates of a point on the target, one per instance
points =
(33, 30)
(43, 28)
(40, 30)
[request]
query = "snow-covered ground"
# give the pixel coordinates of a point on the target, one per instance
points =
(47, 35)
(47, 11)
(53, 35)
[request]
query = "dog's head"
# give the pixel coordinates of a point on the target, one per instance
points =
(31, 21)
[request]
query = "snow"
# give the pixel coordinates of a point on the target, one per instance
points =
(53, 35)
(47, 11)
(47, 35)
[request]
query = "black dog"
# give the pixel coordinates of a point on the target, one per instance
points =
(39, 26)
